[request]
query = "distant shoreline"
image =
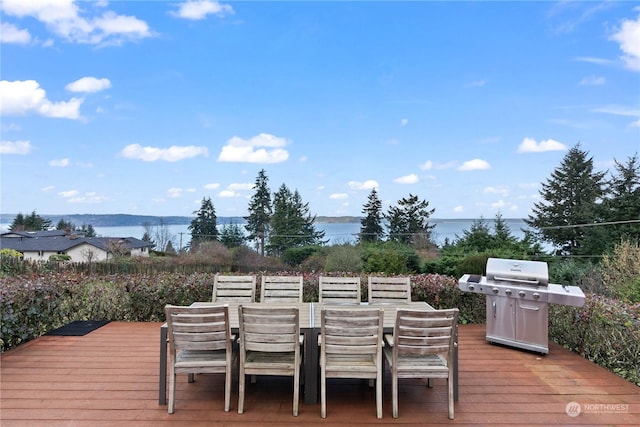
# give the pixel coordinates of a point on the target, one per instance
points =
(123, 220)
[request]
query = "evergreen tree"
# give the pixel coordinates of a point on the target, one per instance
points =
(204, 227)
(231, 235)
(33, 222)
(371, 225)
(623, 202)
(291, 223)
(409, 221)
(88, 230)
(259, 212)
(569, 201)
(65, 225)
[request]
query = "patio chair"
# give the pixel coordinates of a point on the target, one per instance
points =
(269, 346)
(351, 347)
(199, 343)
(389, 289)
(281, 289)
(234, 288)
(422, 346)
(339, 290)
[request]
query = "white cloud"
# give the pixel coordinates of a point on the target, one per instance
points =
(529, 145)
(429, 165)
(227, 194)
(592, 81)
(88, 84)
(621, 111)
(172, 154)
(80, 25)
(407, 179)
(22, 97)
(241, 186)
(502, 190)
(74, 196)
(69, 193)
(47, 188)
(212, 186)
(458, 208)
(404, 122)
(475, 164)
(59, 163)
(593, 60)
(338, 196)
(15, 147)
(9, 33)
(367, 185)
(249, 151)
(175, 192)
(628, 36)
(199, 9)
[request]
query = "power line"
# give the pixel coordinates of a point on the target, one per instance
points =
(591, 224)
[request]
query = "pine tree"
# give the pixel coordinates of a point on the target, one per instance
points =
(569, 201)
(623, 202)
(33, 222)
(231, 235)
(409, 221)
(371, 225)
(259, 212)
(204, 227)
(291, 223)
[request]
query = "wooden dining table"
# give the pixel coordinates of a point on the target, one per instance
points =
(309, 318)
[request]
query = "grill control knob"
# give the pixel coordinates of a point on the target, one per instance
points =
(536, 295)
(521, 294)
(507, 291)
(495, 290)
(472, 287)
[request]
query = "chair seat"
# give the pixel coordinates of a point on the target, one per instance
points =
(269, 361)
(201, 359)
(433, 365)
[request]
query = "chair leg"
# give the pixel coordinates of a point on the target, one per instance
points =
(296, 391)
(394, 394)
(379, 395)
(227, 388)
(172, 389)
(323, 395)
(450, 392)
(192, 378)
(241, 391)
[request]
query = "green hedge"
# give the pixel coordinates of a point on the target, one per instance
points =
(604, 331)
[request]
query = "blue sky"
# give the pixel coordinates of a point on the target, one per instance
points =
(146, 107)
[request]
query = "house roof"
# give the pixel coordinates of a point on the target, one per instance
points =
(54, 242)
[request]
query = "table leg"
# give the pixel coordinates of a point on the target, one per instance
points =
(162, 382)
(311, 365)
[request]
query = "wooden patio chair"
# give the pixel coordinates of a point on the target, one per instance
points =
(389, 289)
(234, 288)
(281, 289)
(339, 289)
(199, 343)
(269, 345)
(351, 347)
(422, 346)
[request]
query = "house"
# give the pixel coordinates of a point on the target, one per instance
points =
(40, 245)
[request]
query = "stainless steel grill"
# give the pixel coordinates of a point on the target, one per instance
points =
(518, 297)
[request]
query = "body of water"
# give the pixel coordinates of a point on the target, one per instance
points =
(335, 233)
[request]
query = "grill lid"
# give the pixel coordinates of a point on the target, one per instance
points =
(532, 273)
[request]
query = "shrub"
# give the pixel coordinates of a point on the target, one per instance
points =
(390, 258)
(621, 272)
(344, 257)
(293, 257)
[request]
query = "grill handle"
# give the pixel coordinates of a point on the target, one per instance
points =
(495, 310)
(513, 279)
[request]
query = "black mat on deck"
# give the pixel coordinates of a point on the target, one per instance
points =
(78, 328)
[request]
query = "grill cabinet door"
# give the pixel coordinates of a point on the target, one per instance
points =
(501, 317)
(531, 321)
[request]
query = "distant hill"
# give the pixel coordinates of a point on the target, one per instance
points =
(124, 220)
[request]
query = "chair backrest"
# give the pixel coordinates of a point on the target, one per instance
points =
(281, 289)
(339, 289)
(269, 329)
(354, 331)
(425, 332)
(234, 288)
(198, 328)
(389, 289)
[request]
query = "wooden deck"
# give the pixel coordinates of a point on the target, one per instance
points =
(110, 378)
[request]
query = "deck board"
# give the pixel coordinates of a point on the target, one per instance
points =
(109, 378)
